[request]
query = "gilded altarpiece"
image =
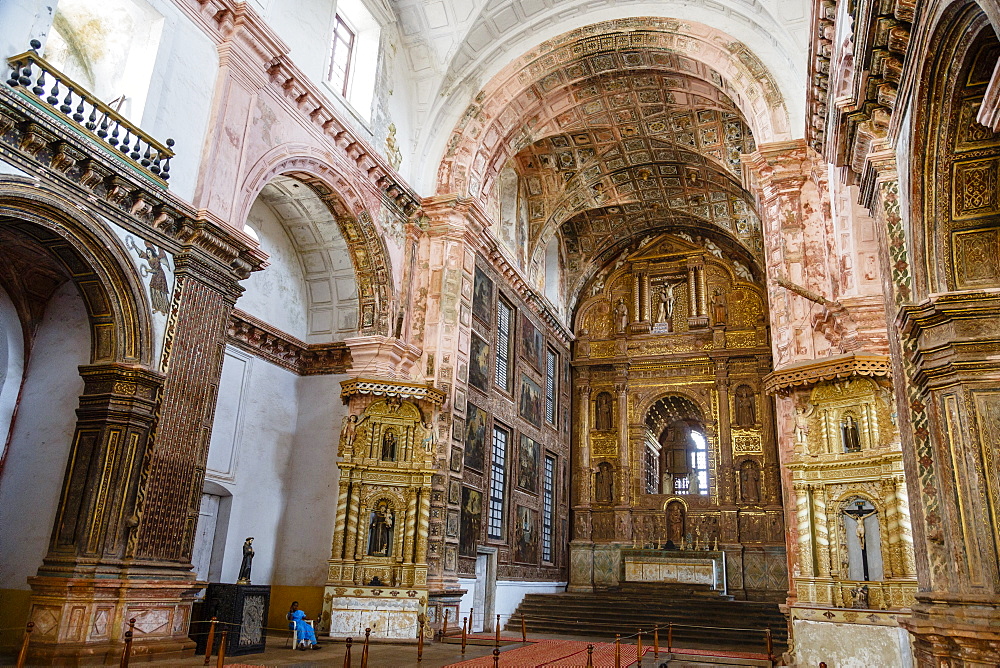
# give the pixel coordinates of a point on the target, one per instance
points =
(378, 567)
(854, 545)
(674, 439)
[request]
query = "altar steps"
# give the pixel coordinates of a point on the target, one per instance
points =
(703, 618)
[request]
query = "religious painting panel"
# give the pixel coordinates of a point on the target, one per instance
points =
(475, 438)
(453, 523)
(527, 465)
(526, 536)
(482, 297)
(530, 404)
(471, 522)
(532, 344)
(479, 364)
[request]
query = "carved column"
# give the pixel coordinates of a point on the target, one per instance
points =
(623, 485)
(822, 526)
(692, 290)
(410, 531)
(341, 522)
(133, 487)
(726, 473)
(637, 302)
(352, 523)
(584, 409)
(423, 521)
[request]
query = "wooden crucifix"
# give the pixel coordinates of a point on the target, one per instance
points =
(859, 515)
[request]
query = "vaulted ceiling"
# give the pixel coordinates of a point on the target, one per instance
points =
(453, 47)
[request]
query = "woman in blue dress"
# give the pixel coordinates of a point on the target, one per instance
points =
(305, 636)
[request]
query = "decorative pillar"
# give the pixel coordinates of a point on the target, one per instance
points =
(411, 524)
(726, 472)
(637, 302)
(584, 409)
(341, 522)
(622, 486)
(822, 527)
(136, 470)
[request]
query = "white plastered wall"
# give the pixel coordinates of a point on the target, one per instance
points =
(41, 437)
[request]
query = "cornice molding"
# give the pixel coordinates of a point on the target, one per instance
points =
(390, 388)
(272, 345)
(805, 374)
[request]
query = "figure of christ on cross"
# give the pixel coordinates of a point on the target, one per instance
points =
(859, 515)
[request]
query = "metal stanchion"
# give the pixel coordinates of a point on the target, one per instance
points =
(211, 639)
(420, 641)
(444, 629)
(618, 650)
(364, 651)
(347, 653)
(656, 642)
(465, 631)
(498, 631)
(638, 650)
(822, 664)
(590, 656)
(496, 657)
(220, 659)
(524, 630)
(23, 654)
(127, 650)
(670, 636)
(770, 644)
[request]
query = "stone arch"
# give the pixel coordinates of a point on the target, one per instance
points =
(735, 70)
(704, 411)
(93, 258)
(365, 241)
(955, 210)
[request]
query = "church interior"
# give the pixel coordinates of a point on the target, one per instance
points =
(419, 311)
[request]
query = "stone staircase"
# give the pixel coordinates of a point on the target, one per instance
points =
(703, 618)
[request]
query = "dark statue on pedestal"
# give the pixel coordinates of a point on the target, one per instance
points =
(247, 562)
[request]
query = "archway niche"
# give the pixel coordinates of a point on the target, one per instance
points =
(270, 448)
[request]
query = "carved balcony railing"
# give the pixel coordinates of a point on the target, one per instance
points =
(51, 90)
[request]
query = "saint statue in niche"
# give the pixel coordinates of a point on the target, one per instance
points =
(604, 483)
(380, 531)
(389, 446)
(849, 434)
(675, 522)
(750, 482)
(744, 409)
(621, 316)
(719, 307)
(603, 419)
(802, 423)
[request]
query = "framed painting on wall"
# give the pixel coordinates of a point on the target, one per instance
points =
(472, 520)
(530, 404)
(532, 344)
(479, 363)
(527, 465)
(475, 438)
(526, 536)
(482, 297)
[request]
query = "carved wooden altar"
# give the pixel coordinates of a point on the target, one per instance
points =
(378, 567)
(672, 338)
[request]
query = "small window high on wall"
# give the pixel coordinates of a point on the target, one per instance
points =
(354, 55)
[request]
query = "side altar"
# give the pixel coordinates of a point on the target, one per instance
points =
(697, 567)
(378, 567)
